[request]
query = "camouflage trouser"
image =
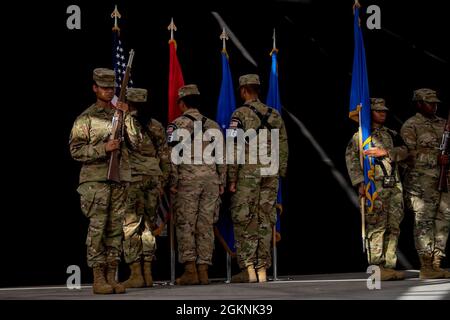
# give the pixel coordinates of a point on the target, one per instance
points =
(383, 225)
(196, 209)
(139, 241)
(254, 215)
(432, 213)
(104, 205)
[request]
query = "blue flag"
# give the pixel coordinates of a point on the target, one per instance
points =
(273, 100)
(360, 109)
(225, 108)
(227, 102)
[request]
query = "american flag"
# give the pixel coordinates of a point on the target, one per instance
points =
(120, 60)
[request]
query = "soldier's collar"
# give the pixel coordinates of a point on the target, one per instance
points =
(434, 119)
(251, 101)
(100, 109)
(192, 111)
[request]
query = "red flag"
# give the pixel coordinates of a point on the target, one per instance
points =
(175, 81)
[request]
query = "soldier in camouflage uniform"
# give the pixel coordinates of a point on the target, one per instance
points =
(103, 202)
(383, 222)
(150, 167)
(254, 196)
(196, 189)
(422, 134)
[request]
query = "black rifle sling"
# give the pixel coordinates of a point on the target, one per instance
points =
(193, 119)
(263, 118)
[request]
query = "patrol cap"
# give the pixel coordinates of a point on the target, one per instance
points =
(426, 95)
(104, 77)
(378, 104)
(249, 79)
(136, 95)
(188, 90)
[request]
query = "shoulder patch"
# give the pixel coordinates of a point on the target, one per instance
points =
(170, 129)
(236, 123)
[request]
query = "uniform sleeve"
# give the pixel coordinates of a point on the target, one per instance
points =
(235, 123)
(399, 151)
(408, 133)
(79, 142)
(284, 150)
(222, 168)
(133, 131)
(162, 149)
(352, 160)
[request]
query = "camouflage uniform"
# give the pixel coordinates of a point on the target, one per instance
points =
(253, 204)
(196, 202)
(102, 202)
(383, 222)
(423, 136)
(150, 168)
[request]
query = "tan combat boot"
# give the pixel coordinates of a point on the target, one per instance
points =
(437, 266)
(397, 275)
(426, 269)
(148, 274)
(246, 275)
(100, 286)
(387, 274)
(189, 276)
(111, 277)
(261, 272)
(203, 273)
(135, 280)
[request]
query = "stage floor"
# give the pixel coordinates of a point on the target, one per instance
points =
(342, 286)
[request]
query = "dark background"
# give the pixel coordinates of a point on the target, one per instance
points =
(48, 69)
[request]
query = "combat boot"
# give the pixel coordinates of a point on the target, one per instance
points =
(189, 276)
(396, 275)
(426, 268)
(100, 286)
(246, 275)
(387, 274)
(111, 277)
(135, 280)
(437, 266)
(261, 272)
(148, 274)
(203, 273)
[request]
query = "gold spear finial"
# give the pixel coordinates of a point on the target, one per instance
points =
(171, 28)
(224, 37)
(357, 5)
(116, 15)
(274, 46)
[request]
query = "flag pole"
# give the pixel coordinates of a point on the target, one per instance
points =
(172, 28)
(362, 199)
(274, 228)
(224, 37)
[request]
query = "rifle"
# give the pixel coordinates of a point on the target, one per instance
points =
(118, 126)
(445, 146)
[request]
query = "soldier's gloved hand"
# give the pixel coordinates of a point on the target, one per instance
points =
(361, 190)
(122, 106)
(375, 152)
(221, 189)
(112, 145)
(443, 160)
(232, 187)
